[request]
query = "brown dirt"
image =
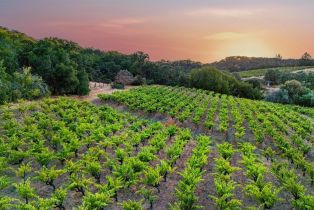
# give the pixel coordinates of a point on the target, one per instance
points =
(99, 88)
(206, 187)
(167, 189)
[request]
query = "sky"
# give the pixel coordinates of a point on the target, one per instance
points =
(201, 30)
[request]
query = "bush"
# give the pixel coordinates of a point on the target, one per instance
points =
(117, 85)
(273, 76)
(83, 87)
(210, 78)
(139, 80)
(292, 92)
(20, 86)
(307, 99)
(255, 82)
(280, 96)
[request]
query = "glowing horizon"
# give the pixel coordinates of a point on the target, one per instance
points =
(198, 30)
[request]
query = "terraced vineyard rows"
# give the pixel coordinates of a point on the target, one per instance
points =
(219, 152)
(64, 154)
(280, 138)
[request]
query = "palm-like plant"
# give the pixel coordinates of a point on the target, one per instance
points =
(136, 164)
(295, 188)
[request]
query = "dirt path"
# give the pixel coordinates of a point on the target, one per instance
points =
(99, 88)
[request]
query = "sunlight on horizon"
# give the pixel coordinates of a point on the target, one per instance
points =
(198, 30)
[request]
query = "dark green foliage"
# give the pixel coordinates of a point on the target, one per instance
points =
(273, 76)
(255, 82)
(20, 85)
(306, 78)
(116, 85)
(292, 92)
(209, 78)
(306, 59)
(243, 63)
(55, 61)
(83, 87)
(139, 80)
(58, 62)
(13, 44)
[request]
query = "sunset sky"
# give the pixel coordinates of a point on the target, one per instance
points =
(201, 30)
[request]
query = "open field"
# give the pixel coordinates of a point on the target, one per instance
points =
(167, 148)
(261, 72)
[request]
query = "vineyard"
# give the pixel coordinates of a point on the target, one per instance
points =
(270, 145)
(204, 150)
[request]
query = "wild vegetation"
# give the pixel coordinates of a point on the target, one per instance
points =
(67, 67)
(20, 85)
(209, 78)
(262, 71)
(243, 63)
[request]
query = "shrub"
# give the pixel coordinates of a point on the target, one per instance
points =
(117, 85)
(209, 78)
(292, 92)
(20, 85)
(273, 76)
(139, 80)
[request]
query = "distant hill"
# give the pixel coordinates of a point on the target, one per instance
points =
(261, 72)
(243, 63)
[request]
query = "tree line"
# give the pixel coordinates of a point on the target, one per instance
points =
(67, 68)
(243, 63)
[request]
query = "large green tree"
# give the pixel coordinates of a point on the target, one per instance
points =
(56, 61)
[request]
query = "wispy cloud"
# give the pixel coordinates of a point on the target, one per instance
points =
(223, 12)
(111, 23)
(226, 36)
